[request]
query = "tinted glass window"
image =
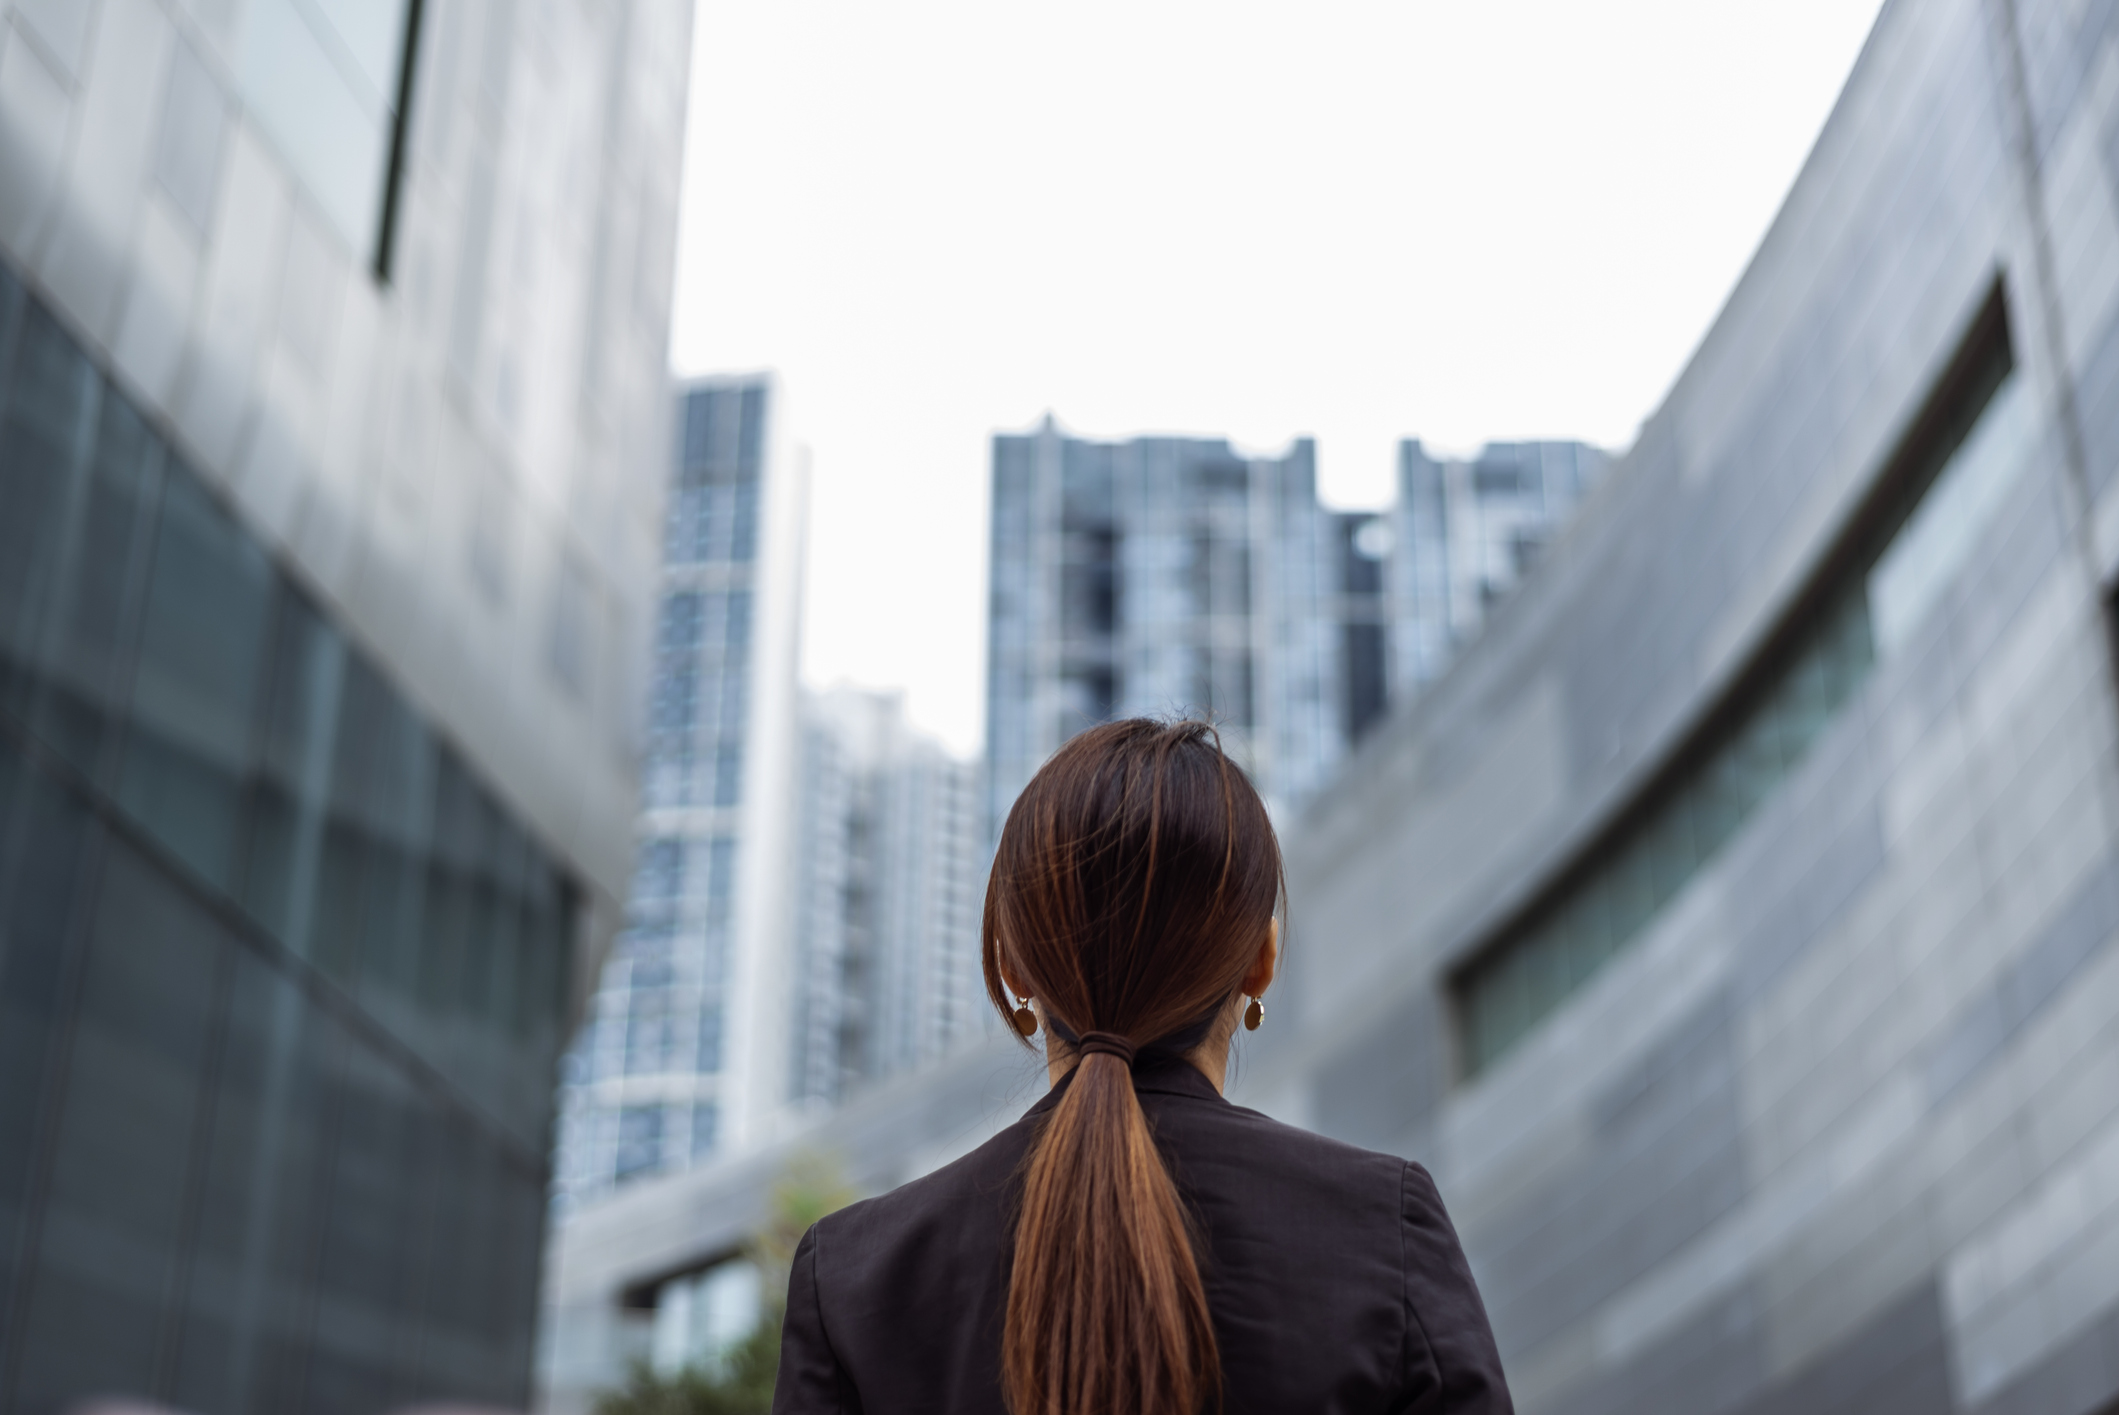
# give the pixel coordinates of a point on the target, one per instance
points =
(44, 440)
(47, 850)
(108, 1239)
(96, 604)
(196, 689)
(239, 878)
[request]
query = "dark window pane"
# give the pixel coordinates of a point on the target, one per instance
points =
(391, 909)
(44, 438)
(456, 1336)
(698, 428)
(364, 1337)
(1365, 684)
(109, 1230)
(335, 934)
(750, 447)
(639, 1140)
(47, 842)
(451, 890)
(96, 611)
(383, 797)
(286, 824)
(728, 773)
(743, 533)
(250, 1301)
(202, 658)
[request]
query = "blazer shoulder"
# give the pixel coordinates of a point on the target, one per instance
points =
(941, 1195)
(1262, 1134)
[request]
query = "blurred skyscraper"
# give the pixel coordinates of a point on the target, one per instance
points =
(1463, 533)
(887, 896)
(804, 919)
(685, 1050)
(332, 383)
(1159, 575)
(1172, 575)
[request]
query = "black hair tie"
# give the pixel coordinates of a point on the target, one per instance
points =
(1109, 1043)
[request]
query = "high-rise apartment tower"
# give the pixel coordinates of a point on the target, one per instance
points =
(887, 892)
(685, 1050)
(1169, 576)
(1161, 575)
(1463, 533)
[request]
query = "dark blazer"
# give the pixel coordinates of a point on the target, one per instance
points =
(1333, 1276)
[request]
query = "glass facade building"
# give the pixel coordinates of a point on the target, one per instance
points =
(1159, 576)
(1463, 534)
(281, 982)
(667, 1069)
(329, 432)
(1172, 575)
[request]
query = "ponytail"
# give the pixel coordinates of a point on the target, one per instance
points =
(1131, 888)
(1106, 1312)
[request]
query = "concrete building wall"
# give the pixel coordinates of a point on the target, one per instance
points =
(1836, 1129)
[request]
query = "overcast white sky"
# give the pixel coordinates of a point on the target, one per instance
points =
(1434, 218)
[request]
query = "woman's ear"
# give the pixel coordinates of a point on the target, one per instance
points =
(1266, 964)
(1000, 968)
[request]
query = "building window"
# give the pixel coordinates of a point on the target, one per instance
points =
(329, 85)
(639, 1141)
(400, 139)
(702, 1316)
(1367, 688)
(1889, 570)
(705, 1127)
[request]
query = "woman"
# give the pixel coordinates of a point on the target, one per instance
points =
(1136, 1245)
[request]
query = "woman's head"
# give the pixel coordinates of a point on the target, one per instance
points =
(1134, 884)
(1132, 895)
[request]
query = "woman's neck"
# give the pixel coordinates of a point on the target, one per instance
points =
(1210, 1058)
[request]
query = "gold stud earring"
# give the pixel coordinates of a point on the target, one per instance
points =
(1025, 1019)
(1254, 1015)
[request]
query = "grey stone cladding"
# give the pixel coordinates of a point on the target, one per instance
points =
(1839, 1128)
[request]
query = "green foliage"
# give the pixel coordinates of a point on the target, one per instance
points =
(741, 1382)
(808, 1189)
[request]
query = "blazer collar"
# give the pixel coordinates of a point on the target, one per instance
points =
(1158, 1075)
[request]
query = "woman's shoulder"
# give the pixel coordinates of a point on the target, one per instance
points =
(1259, 1142)
(1409, 1179)
(1213, 1145)
(964, 1197)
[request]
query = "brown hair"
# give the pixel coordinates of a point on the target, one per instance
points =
(1131, 891)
